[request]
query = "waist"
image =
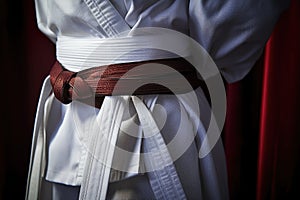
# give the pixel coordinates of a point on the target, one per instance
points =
(130, 64)
(163, 76)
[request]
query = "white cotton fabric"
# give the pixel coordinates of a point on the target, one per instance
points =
(233, 33)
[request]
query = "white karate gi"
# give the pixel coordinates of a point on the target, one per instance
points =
(233, 33)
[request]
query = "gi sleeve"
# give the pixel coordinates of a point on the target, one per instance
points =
(234, 32)
(44, 23)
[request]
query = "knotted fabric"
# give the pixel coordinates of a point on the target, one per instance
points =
(102, 81)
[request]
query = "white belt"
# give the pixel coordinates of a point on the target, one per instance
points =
(77, 54)
(163, 177)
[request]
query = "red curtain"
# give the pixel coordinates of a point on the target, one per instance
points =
(279, 148)
(261, 136)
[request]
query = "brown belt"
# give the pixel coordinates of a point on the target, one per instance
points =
(92, 85)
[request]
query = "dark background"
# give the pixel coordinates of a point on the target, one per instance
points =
(26, 56)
